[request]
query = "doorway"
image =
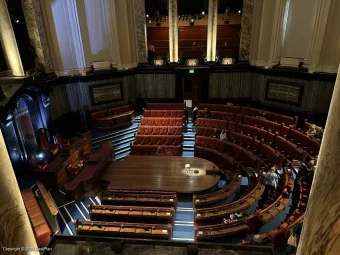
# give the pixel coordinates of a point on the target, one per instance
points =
(192, 90)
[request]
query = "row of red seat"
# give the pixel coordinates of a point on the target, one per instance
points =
(217, 212)
(217, 115)
(239, 154)
(233, 181)
(170, 150)
(165, 106)
(279, 118)
(301, 140)
(160, 130)
(41, 230)
(164, 113)
(289, 150)
(148, 121)
(158, 140)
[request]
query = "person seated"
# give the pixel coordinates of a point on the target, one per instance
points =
(225, 221)
(257, 239)
(214, 133)
(305, 170)
(239, 216)
(160, 151)
(223, 134)
(207, 113)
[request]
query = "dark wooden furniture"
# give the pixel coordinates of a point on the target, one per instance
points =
(154, 231)
(112, 118)
(88, 178)
(138, 214)
(139, 198)
(56, 175)
(161, 173)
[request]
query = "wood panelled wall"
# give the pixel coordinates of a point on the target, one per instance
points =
(159, 38)
(229, 34)
(316, 96)
(72, 97)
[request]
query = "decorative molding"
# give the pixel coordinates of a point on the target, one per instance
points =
(173, 31)
(141, 36)
(212, 30)
(115, 57)
(247, 29)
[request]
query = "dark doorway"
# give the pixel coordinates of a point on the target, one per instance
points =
(192, 89)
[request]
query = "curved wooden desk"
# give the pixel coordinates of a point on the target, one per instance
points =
(161, 173)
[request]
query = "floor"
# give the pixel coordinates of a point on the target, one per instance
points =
(184, 219)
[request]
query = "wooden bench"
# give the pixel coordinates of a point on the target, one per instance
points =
(131, 213)
(121, 229)
(135, 198)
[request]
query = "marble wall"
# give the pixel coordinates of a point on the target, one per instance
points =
(246, 32)
(316, 96)
(37, 33)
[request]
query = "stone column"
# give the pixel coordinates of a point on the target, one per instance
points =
(141, 39)
(15, 228)
(246, 28)
(321, 227)
(212, 30)
(37, 33)
(8, 41)
(173, 31)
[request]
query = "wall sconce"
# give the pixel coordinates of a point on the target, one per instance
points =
(192, 62)
(227, 61)
(158, 62)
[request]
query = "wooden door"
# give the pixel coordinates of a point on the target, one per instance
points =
(196, 91)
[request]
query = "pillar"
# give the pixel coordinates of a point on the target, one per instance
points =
(36, 32)
(212, 30)
(246, 28)
(15, 228)
(141, 40)
(8, 41)
(321, 228)
(173, 31)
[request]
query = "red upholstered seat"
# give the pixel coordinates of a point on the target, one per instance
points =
(200, 141)
(60, 141)
(167, 114)
(173, 122)
(154, 113)
(174, 113)
(211, 142)
(169, 140)
(166, 122)
(160, 113)
(147, 113)
(149, 130)
(52, 148)
(151, 121)
(239, 118)
(158, 122)
(200, 131)
(72, 169)
(144, 121)
(232, 125)
(245, 110)
(179, 121)
(156, 130)
(164, 130)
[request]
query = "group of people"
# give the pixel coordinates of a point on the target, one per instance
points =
(207, 114)
(233, 217)
(315, 132)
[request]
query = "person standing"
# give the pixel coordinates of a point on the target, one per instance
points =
(194, 115)
(186, 115)
(270, 180)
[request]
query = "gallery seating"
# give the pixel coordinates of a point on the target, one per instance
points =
(270, 156)
(160, 130)
(219, 231)
(289, 150)
(165, 106)
(262, 123)
(220, 108)
(61, 141)
(112, 118)
(241, 155)
(164, 113)
(233, 181)
(150, 150)
(138, 198)
(303, 141)
(123, 229)
(253, 193)
(149, 121)
(218, 115)
(158, 140)
(131, 213)
(220, 124)
(208, 132)
(41, 230)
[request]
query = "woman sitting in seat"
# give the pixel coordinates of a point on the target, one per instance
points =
(160, 151)
(223, 135)
(207, 113)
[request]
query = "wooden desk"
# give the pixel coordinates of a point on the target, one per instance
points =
(160, 173)
(87, 179)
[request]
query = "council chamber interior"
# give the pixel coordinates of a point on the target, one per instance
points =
(169, 127)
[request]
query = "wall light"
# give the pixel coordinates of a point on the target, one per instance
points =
(239, 11)
(203, 12)
(147, 15)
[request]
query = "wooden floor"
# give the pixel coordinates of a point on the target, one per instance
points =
(161, 173)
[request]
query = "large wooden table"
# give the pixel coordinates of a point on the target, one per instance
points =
(161, 173)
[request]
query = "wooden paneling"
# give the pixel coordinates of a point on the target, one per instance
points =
(231, 35)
